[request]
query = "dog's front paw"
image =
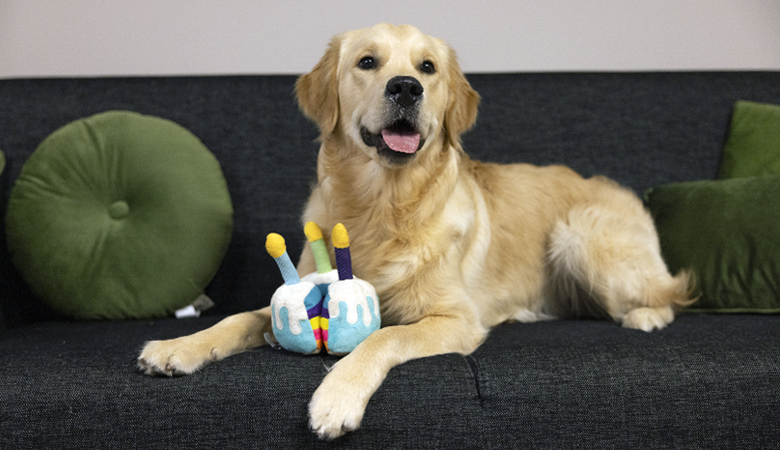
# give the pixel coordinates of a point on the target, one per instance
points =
(336, 407)
(174, 357)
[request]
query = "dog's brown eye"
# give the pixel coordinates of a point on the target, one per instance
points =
(427, 67)
(367, 63)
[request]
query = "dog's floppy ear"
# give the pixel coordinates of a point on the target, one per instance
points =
(317, 90)
(462, 104)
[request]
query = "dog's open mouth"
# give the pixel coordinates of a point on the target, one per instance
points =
(402, 137)
(398, 142)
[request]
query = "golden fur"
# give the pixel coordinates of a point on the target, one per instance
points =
(453, 246)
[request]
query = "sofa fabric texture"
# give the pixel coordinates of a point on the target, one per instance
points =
(708, 380)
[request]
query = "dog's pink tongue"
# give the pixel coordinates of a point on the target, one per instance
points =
(401, 142)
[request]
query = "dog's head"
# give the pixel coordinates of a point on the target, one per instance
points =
(392, 91)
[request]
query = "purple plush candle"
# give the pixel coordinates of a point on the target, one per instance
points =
(341, 247)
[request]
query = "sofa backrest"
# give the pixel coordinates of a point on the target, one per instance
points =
(641, 129)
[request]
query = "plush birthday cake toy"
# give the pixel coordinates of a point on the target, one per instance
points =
(329, 306)
(350, 311)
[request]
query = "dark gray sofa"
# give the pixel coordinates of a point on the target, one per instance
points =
(709, 381)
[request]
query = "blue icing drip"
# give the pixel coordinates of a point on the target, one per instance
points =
(302, 343)
(374, 312)
(343, 336)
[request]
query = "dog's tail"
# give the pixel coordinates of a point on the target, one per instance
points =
(682, 291)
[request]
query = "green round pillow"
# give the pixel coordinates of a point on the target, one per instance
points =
(119, 215)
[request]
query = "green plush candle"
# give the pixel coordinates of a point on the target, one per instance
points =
(318, 248)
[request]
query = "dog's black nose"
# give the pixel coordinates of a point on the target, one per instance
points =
(404, 91)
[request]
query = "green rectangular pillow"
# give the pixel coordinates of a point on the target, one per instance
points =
(753, 145)
(728, 232)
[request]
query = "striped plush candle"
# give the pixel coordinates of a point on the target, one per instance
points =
(296, 305)
(276, 247)
(341, 247)
(318, 247)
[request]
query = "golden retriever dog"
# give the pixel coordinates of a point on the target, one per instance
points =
(453, 246)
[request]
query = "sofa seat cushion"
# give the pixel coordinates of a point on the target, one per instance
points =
(704, 381)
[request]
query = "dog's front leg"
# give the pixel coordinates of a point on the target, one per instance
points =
(339, 403)
(234, 334)
(185, 355)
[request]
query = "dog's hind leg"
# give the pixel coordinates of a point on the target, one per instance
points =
(606, 261)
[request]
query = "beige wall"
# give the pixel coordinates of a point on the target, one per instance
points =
(159, 37)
